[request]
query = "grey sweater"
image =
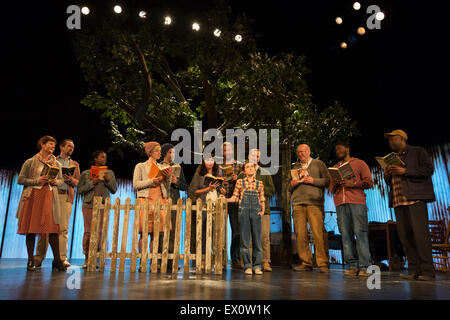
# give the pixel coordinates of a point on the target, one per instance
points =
(311, 193)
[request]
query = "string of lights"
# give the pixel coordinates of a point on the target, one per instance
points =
(372, 23)
(167, 20)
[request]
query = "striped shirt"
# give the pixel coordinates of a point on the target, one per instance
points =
(398, 197)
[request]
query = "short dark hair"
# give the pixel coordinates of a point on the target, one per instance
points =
(248, 162)
(44, 140)
(95, 155)
(64, 142)
(342, 143)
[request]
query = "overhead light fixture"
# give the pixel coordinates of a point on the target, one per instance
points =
(339, 20)
(117, 9)
(238, 38)
(217, 32)
(356, 6)
(167, 20)
(195, 26)
(142, 14)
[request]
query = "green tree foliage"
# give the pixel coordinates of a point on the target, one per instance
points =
(148, 79)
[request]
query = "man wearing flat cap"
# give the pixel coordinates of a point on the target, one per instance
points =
(411, 189)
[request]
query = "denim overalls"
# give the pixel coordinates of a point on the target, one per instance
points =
(250, 221)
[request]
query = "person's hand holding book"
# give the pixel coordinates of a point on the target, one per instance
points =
(53, 182)
(294, 183)
(308, 180)
(349, 183)
(106, 176)
(42, 180)
(396, 170)
(213, 185)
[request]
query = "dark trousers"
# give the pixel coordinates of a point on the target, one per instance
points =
(414, 234)
(235, 248)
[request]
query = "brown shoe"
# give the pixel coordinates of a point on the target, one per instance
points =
(302, 268)
(351, 272)
(66, 263)
(324, 270)
(237, 265)
(363, 273)
(266, 267)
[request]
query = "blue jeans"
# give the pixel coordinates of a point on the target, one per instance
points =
(352, 222)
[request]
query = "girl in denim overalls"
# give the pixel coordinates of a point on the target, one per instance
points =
(251, 208)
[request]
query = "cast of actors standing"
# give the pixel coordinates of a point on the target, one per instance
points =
(176, 184)
(410, 190)
(235, 248)
(269, 189)
(90, 187)
(250, 194)
(350, 201)
(66, 195)
(308, 204)
(151, 188)
(198, 189)
(39, 207)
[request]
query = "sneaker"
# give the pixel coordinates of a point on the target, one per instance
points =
(302, 268)
(248, 271)
(258, 271)
(351, 272)
(266, 267)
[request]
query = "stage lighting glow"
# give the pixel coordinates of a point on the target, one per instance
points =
(343, 45)
(238, 38)
(361, 31)
(195, 26)
(217, 32)
(339, 20)
(167, 20)
(85, 10)
(117, 9)
(143, 14)
(379, 16)
(356, 6)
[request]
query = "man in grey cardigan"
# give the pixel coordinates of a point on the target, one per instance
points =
(307, 195)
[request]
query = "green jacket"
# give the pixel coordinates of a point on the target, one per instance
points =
(269, 188)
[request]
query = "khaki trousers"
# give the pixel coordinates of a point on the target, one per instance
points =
(42, 245)
(313, 215)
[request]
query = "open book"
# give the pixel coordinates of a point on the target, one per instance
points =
(98, 171)
(344, 172)
(210, 178)
(176, 168)
(50, 171)
(390, 159)
(157, 169)
(227, 171)
(299, 174)
(70, 170)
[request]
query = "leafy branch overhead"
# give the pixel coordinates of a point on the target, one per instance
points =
(148, 79)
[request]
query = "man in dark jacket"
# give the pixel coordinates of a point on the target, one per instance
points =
(411, 189)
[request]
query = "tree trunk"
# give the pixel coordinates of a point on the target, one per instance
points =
(210, 104)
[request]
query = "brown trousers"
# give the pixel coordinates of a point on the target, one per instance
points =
(313, 215)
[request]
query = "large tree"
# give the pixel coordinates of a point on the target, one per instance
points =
(148, 79)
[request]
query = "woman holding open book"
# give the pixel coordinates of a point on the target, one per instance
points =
(39, 211)
(206, 184)
(151, 183)
(97, 181)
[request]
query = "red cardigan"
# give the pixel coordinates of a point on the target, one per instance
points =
(354, 195)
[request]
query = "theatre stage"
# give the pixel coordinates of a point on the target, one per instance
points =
(281, 284)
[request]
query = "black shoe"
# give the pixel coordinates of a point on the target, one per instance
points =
(425, 278)
(408, 276)
(31, 266)
(38, 265)
(58, 265)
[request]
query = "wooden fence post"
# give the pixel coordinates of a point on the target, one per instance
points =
(137, 209)
(165, 251)
(156, 225)
(93, 240)
(123, 243)
(219, 221)
(187, 236)
(198, 257)
(209, 210)
(144, 237)
(104, 233)
(115, 235)
(176, 246)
